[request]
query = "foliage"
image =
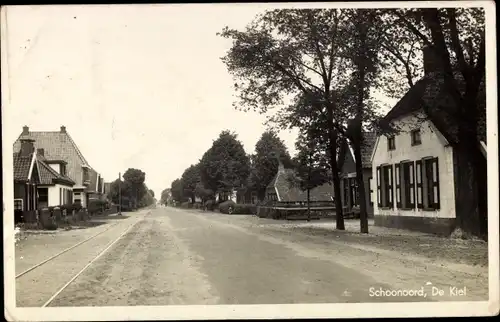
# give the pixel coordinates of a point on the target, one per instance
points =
(202, 192)
(190, 180)
(135, 178)
(295, 54)
(311, 163)
(227, 206)
(165, 196)
(268, 150)
(225, 165)
(177, 190)
(244, 209)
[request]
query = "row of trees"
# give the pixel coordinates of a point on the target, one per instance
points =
(133, 189)
(226, 167)
(328, 62)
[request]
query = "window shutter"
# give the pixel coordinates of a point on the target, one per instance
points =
(391, 185)
(398, 185)
(418, 177)
(435, 183)
(411, 200)
(379, 189)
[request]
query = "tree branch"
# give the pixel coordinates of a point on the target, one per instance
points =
(455, 42)
(479, 69)
(405, 63)
(413, 29)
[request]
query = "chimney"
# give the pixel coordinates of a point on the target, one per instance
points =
(27, 147)
(40, 152)
(432, 62)
(63, 129)
(26, 130)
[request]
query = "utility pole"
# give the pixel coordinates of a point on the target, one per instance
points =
(119, 193)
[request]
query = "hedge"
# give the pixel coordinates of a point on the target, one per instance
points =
(237, 209)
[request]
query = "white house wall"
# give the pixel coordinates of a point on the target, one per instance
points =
(433, 145)
(54, 194)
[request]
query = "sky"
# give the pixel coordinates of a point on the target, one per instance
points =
(137, 86)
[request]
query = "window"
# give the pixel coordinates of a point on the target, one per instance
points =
(385, 186)
(85, 175)
(18, 204)
(415, 137)
(427, 175)
(43, 197)
(405, 185)
(391, 143)
(272, 196)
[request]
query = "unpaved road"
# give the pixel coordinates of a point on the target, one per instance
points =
(174, 256)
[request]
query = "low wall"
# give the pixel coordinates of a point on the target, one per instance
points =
(438, 226)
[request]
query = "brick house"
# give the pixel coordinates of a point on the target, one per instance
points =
(59, 146)
(415, 169)
(282, 189)
(26, 179)
(349, 187)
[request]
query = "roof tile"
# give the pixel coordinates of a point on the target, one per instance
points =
(21, 166)
(58, 146)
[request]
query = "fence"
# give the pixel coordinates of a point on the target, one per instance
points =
(295, 210)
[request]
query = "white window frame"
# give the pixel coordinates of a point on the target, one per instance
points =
(22, 203)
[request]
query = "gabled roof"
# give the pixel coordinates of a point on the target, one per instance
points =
(429, 95)
(369, 139)
(288, 191)
(50, 176)
(57, 145)
(22, 165)
(346, 151)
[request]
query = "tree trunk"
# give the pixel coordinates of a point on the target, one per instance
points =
(469, 218)
(332, 144)
(363, 215)
(308, 204)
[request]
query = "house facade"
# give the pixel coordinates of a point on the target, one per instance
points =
(59, 146)
(414, 165)
(348, 178)
(414, 174)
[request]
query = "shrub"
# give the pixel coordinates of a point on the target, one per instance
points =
(197, 205)
(244, 209)
(227, 207)
(210, 205)
(185, 205)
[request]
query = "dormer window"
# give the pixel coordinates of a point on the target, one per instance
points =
(415, 137)
(391, 143)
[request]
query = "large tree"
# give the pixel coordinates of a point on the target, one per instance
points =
(165, 196)
(136, 178)
(190, 179)
(225, 166)
(177, 191)
(289, 53)
(269, 151)
(311, 165)
(456, 37)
